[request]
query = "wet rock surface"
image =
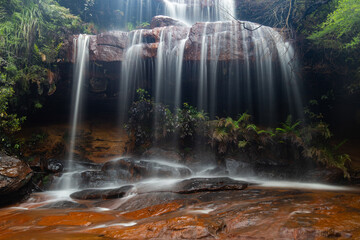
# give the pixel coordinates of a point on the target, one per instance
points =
(253, 213)
(127, 170)
(53, 165)
(188, 186)
(196, 185)
(14, 174)
(90, 194)
(111, 46)
(64, 205)
(165, 21)
(133, 169)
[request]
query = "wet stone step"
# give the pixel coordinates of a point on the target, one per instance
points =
(92, 194)
(188, 186)
(195, 185)
(64, 205)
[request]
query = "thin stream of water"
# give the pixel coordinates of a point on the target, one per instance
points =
(81, 45)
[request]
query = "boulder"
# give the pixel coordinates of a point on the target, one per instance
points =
(53, 165)
(165, 21)
(91, 194)
(14, 174)
(196, 185)
(193, 185)
(132, 169)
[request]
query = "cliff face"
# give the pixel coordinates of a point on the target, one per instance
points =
(112, 46)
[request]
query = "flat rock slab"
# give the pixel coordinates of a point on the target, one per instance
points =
(188, 186)
(196, 185)
(92, 194)
(64, 205)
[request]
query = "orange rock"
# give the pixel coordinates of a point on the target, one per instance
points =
(75, 219)
(152, 211)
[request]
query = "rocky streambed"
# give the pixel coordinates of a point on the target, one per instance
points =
(193, 208)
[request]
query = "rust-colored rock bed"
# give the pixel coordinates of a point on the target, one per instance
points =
(254, 213)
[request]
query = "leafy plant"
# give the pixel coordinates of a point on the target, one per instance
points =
(228, 133)
(289, 126)
(342, 27)
(141, 125)
(130, 26)
(190, 122)
(31, 35)
(142, 25)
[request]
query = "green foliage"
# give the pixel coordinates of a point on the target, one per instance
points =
(342, 27)
(312, 141)
(229, 134)
(141, 25)
(130, 26)
(141, 125)
(190, 122)
(149, 121)
(9, 123)
(289, 127)
(31, 35)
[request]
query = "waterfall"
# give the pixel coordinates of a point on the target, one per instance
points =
(221, 82)
(138, 12)
(178, 72)
(191, 11)
(169, 64)
(132, 71)
(222, 66)
(265, 78)
(81, 57)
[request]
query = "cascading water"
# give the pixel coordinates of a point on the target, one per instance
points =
(191, 11)
(220, 67)
(259, 81)
(136, 12)
(132, 71)
(81, 58)
(264, 79)
(169, 68)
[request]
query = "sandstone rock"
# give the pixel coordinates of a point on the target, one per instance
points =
(226, 34)
(196, 185)
(116, 39)
(111, 46)
(14, 174)
(90, 194)
(165, 21)
(64, 205)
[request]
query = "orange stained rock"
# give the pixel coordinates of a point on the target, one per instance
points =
(182, 227)
(76, 219)
(260, 214)
(152, 211)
